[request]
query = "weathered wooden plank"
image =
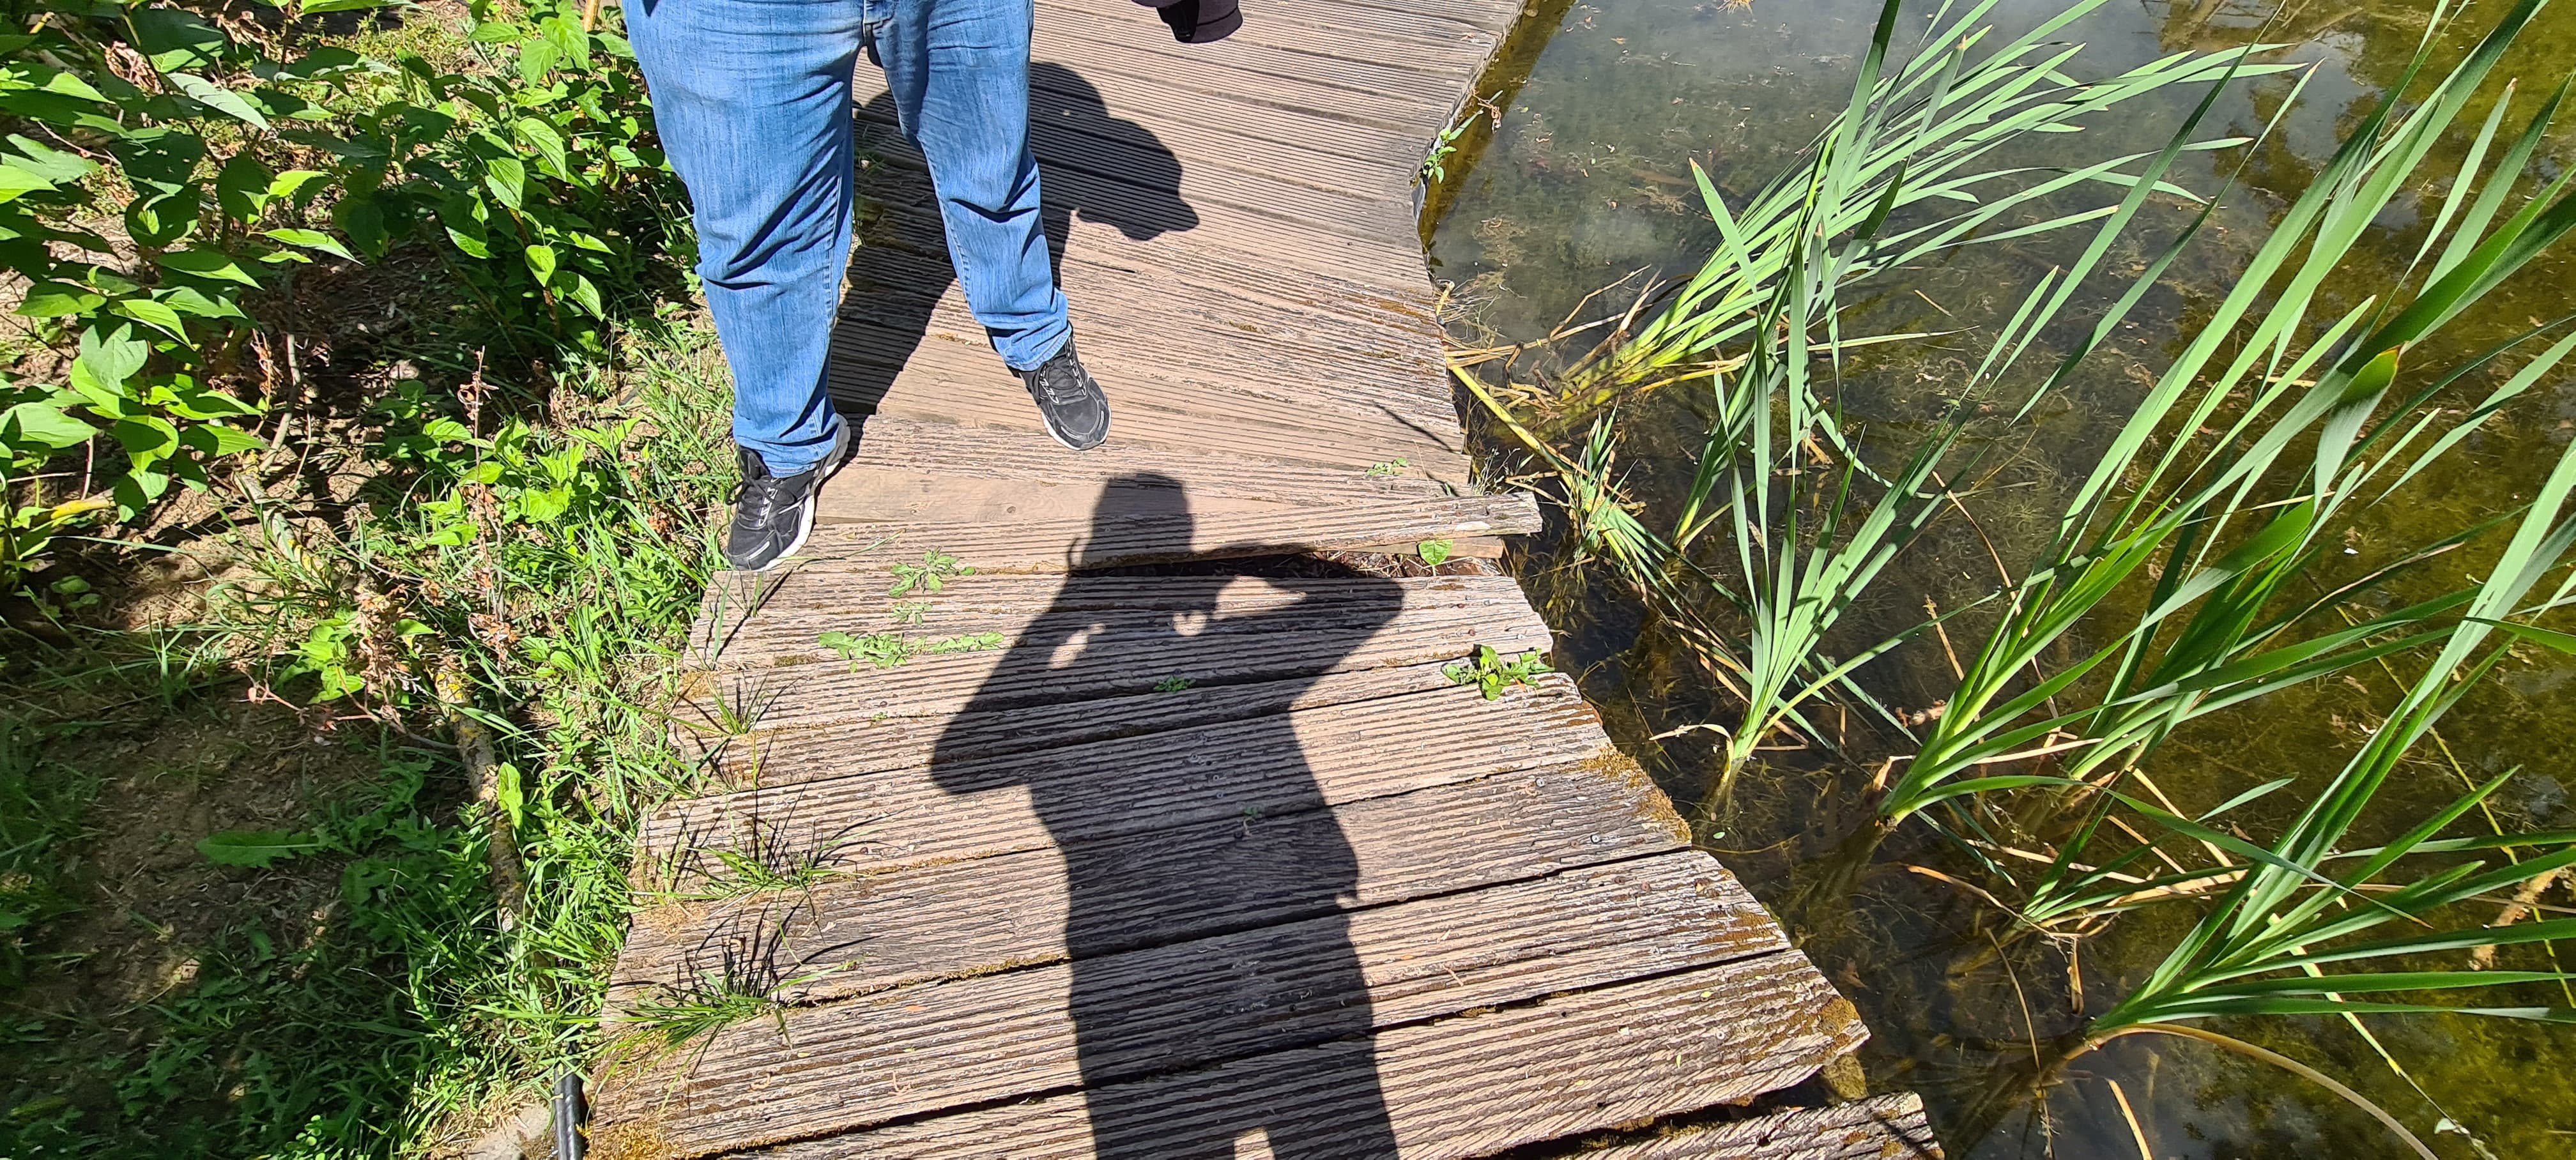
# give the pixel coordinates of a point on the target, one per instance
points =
(1383, 95)
(1069, 657)
(1284, 367)
(954, 919)
(1282, 364)
(1886, 1127)
(1437, 48)
(854, 596)
(1445, 1090)
(952, 378)
(893, 444)
(1116, 538)
(1378, 87)
(1315, 757)
(939, 1046)
(874, 744)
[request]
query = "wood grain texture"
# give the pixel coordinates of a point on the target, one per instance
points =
(971, 809)
(1885, 1127)
(952, 919)
(932, 1047)
(1121, 538)
(1124, 654)
(1464, 1087)
(778, 756)
(856, 597)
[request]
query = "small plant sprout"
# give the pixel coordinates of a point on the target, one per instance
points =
(1173, 684)
(909, 611)
(930, 575)
(1488, 669)
(1388, 469)
(1435, 552)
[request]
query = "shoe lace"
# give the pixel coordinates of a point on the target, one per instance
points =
(755, 496)
(1060, 382)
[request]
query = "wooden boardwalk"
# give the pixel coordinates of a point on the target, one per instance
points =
(1162, 835)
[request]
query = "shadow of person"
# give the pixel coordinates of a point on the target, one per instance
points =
(1091, 165)
(1168, 1015)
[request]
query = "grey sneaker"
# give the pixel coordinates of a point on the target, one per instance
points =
(1076, 413)
(773, 514)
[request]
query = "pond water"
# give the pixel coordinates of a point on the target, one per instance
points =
(1583, 178)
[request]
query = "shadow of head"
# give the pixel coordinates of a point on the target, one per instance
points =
(1107, 169)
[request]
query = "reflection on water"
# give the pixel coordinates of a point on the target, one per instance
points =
(1586, 180)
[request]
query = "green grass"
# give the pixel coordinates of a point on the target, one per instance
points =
(362, 992)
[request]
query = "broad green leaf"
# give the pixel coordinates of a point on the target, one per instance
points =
(112, 352)
(507, 179)
(57, 299)
(208, 264)
(192, 301)
(313, 240)
(541, 262)
(545, 505)
(217, 97)
(536, 59)
(136, 490)
(53, 164)
(363, 221)
(17, 181)
(548, 143)
(586, 292)
(291, 183)
(510, 790)
(241, 187)
(174, 39)
(217, 439)
(257, 849)
(148, 311)
(43, 424)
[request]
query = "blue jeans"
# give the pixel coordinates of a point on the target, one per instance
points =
(753, 102)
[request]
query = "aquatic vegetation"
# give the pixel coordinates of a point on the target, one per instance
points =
(2183, 571)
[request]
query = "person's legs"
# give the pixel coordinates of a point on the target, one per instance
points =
(752, 102)
(959, 74)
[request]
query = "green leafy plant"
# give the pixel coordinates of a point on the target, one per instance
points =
(930, 575)
(1173, 684)
(1494, 673)
(886, 650)
(158, 119)
(542, 174)
(1387, 469)
(1434, 552)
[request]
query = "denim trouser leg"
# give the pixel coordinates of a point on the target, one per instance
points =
(958, 71)
(752, 101)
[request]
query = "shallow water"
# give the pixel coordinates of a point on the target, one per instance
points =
(1585, 179)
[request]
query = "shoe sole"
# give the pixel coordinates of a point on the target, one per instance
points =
(842, 453)
(1070, 445)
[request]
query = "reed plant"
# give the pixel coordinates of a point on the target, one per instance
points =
(2231, 519)
(1918, 134)
(1812, 524)
(2188, 571)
